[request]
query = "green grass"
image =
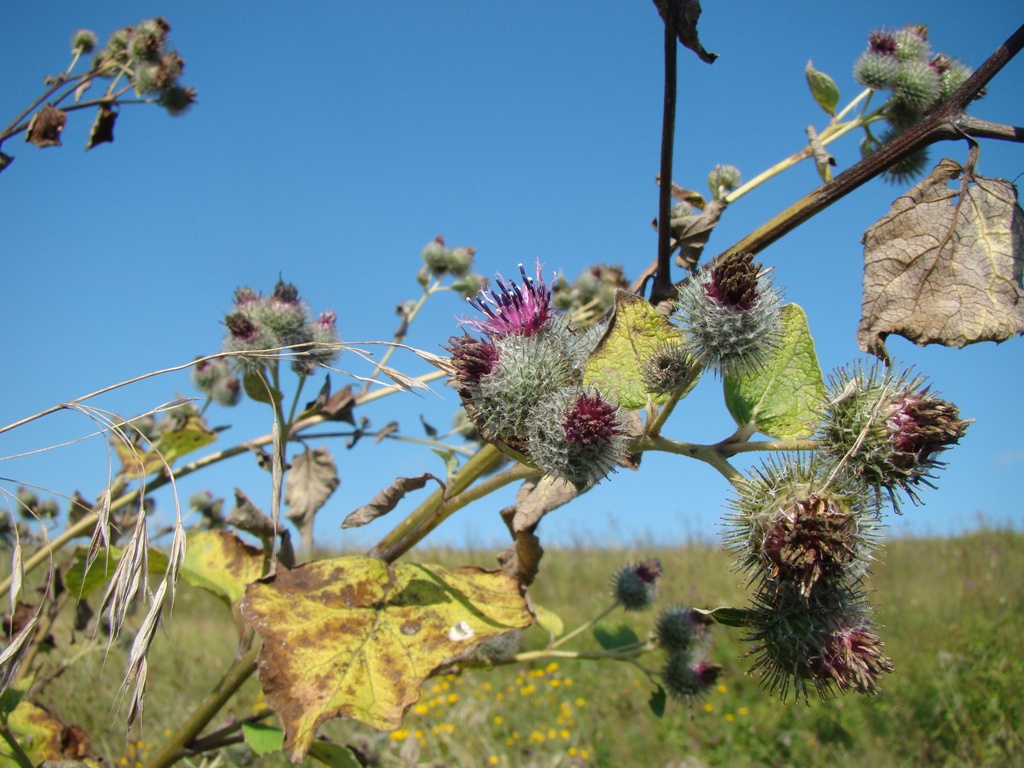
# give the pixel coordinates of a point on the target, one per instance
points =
(952, 612)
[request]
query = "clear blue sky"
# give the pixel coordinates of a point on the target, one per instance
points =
(333, 140)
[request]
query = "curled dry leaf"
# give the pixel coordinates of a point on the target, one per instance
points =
(102, 131)
(247, 517)
(691, 232)
(536, 497)
(944, 266)
(521, 559)
(686, 17)
(387, 500)
(45, 127)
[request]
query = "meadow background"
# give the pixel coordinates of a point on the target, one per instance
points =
(953, 616)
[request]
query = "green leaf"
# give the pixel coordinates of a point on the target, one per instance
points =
(258, 387)
(549, 621)
(451, 463)
(262, 739)
(782, 399)
(44, 738)
(657, 701)
(81, 584)
(728, 616)
(823, 89)
(635, 335)
(189, 434)
(221, 563)
(615, 636)
(334, 755)
(356, 637)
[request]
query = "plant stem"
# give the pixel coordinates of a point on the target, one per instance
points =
(709, 454)
(654, 428)
(662, 287)
(627, 654)
(727, 449)
(177, 745)
(17, 750)
(583, 627)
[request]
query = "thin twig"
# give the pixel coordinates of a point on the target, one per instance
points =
(662, 287)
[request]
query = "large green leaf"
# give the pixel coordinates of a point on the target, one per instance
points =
(355, 637)
(783, 398)
(636, 334)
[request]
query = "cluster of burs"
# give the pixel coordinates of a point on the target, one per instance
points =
(522, 380)
(803, 526)
(901, 63)
(140, 53)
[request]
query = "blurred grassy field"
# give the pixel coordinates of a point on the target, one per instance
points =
(952, 612)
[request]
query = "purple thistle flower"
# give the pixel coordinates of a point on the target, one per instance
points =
(513, 310)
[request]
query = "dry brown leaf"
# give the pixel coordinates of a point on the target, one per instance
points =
(944, 266)
(310, 482)
(687, 14)
(387, 499)
(536, 497)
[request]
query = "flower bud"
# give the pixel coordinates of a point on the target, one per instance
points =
(469, 285)
(83, 41)
(730, 314)
(912, 42)
(827, 641)
(471, 360)
(577, 435)
(435, 255)
(917, 85)
(875, 69)
(686, 678)
(635, 586)
(147, 39)
(497, 649)
(322, 336)
(177, 100)
(528, 370)
(792, 524)
(460, 260)
(670, 369)
(952, 74)
(227, 391)
(723, 179)
(683, 629)
(885, 429)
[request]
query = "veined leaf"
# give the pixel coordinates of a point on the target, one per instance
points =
(823, 89)
(635, 335)
(221, 563)
(355, 637)
(944, 266)
(782, 398)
